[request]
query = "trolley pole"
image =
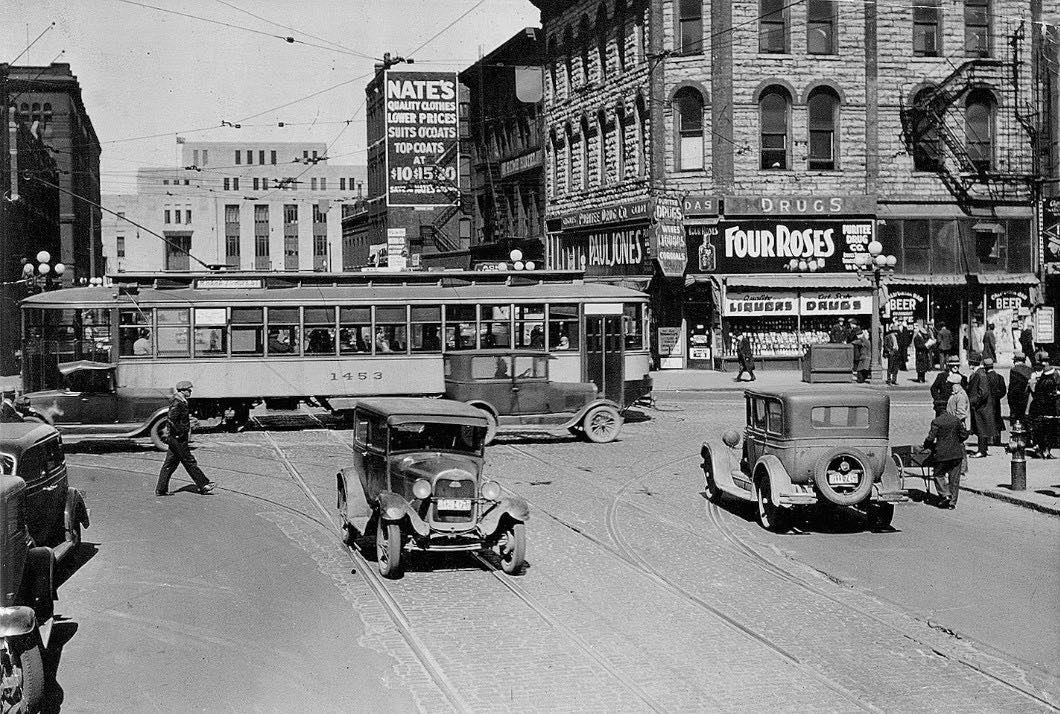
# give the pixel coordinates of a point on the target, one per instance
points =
(1019, 458)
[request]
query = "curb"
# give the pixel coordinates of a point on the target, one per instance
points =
(1002, 496)
(741, 389)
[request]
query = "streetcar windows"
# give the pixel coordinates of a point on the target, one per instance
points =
(95, 330)
(563, 327)
(495, 330)
(134, 333)
(426, 329)
(390, 329)
(461, 326)
(633, 326)
(355, 330)
(530, 327)
(248, 331)
(173, 335)
(319, 331)
(283, 331)
(211, 335)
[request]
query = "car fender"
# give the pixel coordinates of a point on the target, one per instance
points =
(580, 414)
(891, 480)
(145, 428)
(779, 481)
(75, 511)
(17, 620)
(393, 507)
(720, 461)
(514, 507)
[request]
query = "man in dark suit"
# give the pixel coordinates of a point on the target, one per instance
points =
(946, 441)
(1019, 390)
(985, 390)
(179, 423)
(941, 389)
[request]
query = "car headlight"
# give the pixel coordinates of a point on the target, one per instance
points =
(421, 489)
(491, 490)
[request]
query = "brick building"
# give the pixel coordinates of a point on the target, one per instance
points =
(783, 139)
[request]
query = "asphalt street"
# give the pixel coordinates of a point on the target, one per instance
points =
(639, 595)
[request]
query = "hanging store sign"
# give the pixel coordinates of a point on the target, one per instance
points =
(668, 236)
(783, 205)
(422, 122)
(1050, 230)
(834, 303)
(1012, 300)
(521, 163)
(757, 304)
(607, 251)
(905, 306)
(772, 246)
(695, 205)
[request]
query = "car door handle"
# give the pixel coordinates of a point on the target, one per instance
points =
(84, 399)
(515, 389)
(50, 488)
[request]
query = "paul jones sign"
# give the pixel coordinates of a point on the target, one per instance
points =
(620, 213)
(614, 251)
(800, 205)
(780, 246)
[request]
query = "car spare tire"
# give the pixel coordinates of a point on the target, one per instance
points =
(843, 476)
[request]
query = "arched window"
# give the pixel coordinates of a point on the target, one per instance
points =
(926, 148)
(642, 138)
(601, 40)
(690, 26)
(774, 110)
(35, 114)
(823, 110)
(568, 60)
(688, 104)
(584, 42)
(601, 138)
(583, 155)
(569, 178)
(620, 144)
(979, 128)
(47, 112)
(553, 167)
(553, 62)
(620, 35)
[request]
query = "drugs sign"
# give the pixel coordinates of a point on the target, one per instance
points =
(422, 138)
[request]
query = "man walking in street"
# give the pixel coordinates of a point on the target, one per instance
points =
(989, 343)
(179, 423)
(946, 440)
(746, 356)
(863, 357)
(985, 389)
(891, 352)
(941, 388)
(1019, 390)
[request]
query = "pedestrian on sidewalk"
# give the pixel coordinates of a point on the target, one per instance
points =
(985, 389)
(863, 357)
(945, 439)
(989, 343)
(957, 404)
(1027, 339)
(905, 339)
(838, 334)
(922, 352)
(941, 388)
(746, 356)
(178, 422)
(1044, 410)
(1019, 391)
(891, 351)
(945, 338)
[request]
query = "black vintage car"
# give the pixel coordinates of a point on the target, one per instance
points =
(418, 481)
(513, 390)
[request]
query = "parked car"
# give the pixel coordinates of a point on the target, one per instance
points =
(26, 599)
(418, 481)
(804, 447)
(55, 512)
(512, 389)
(91, 406)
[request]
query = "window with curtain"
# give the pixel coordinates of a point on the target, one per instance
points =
(979, 129)
(689, 105)
(772, 26)
(773, 118)
(823, 110)
(821, 27)
(927, 28)
(690, 26)
(977, 28)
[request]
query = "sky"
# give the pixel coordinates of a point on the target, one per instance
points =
(145, 72)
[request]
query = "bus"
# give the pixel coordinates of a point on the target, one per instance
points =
(281, 338)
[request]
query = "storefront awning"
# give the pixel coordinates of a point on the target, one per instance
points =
(925, 279)
(1007, 279)
(632, 282)
(808, 281)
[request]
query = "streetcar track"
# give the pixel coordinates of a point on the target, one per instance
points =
(625, 553)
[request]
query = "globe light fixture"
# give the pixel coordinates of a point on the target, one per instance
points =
(516, 255)
(27, 270)
(530, 265)
(876, 267)
(518, 264)
(43, 256)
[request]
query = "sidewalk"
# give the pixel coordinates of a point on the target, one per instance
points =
(697, 380)
(992, 477)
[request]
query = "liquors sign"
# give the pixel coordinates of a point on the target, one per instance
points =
(422, 138)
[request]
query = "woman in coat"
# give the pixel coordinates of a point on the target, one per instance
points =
(922, 352)
(1044, 411)
(863, 356)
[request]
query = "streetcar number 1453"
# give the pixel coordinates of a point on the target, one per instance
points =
(355, 376)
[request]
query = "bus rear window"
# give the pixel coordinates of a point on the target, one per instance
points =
(839, 417)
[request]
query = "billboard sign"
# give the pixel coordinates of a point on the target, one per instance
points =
(668, 236)
(422, 138)
(778, 246)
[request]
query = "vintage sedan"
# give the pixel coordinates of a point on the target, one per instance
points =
(55, 512)
(91, 406)
(513, 390)
(418, 480)
(805, 447)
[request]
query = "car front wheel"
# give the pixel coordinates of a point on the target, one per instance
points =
(771, 516)
(388, 548)
(601, 424)
(512, 548)
(22, 673)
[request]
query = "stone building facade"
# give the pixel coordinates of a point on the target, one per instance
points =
(930, 129)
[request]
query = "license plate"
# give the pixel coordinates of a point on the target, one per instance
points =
(454, 504)
(850, 478)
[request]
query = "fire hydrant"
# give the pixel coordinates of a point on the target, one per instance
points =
(1017, 446)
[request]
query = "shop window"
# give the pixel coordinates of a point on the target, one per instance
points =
(689, 104)
(530, 327)
(461, 327)
(134, 325)
(355, 330)
(284, 331)
(927, 28)
(820, 27)
(979, 129)
(690, 27)
(773, 117)
(248, 329)
(977, 28)
(426, 328)
(633, 326)
(823, 109)
(926, 151)
(495, 327)
(391, 329)
(319, 330)
(773, 27)
(563, 327)
(211, 333)
(173, 335)
(987, 244)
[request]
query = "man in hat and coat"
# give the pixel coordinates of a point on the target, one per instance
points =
(1044, 411)
(1019, 389)
(179, 432)
(985, 389)
(941, 388)
(921, 352)
(946, 441)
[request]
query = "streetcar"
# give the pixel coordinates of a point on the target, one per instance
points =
(326, 339)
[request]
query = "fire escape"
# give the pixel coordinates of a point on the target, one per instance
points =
(934, 128)
(442, 240)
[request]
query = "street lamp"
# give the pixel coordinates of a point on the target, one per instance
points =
(877, 267)
(39, 276)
